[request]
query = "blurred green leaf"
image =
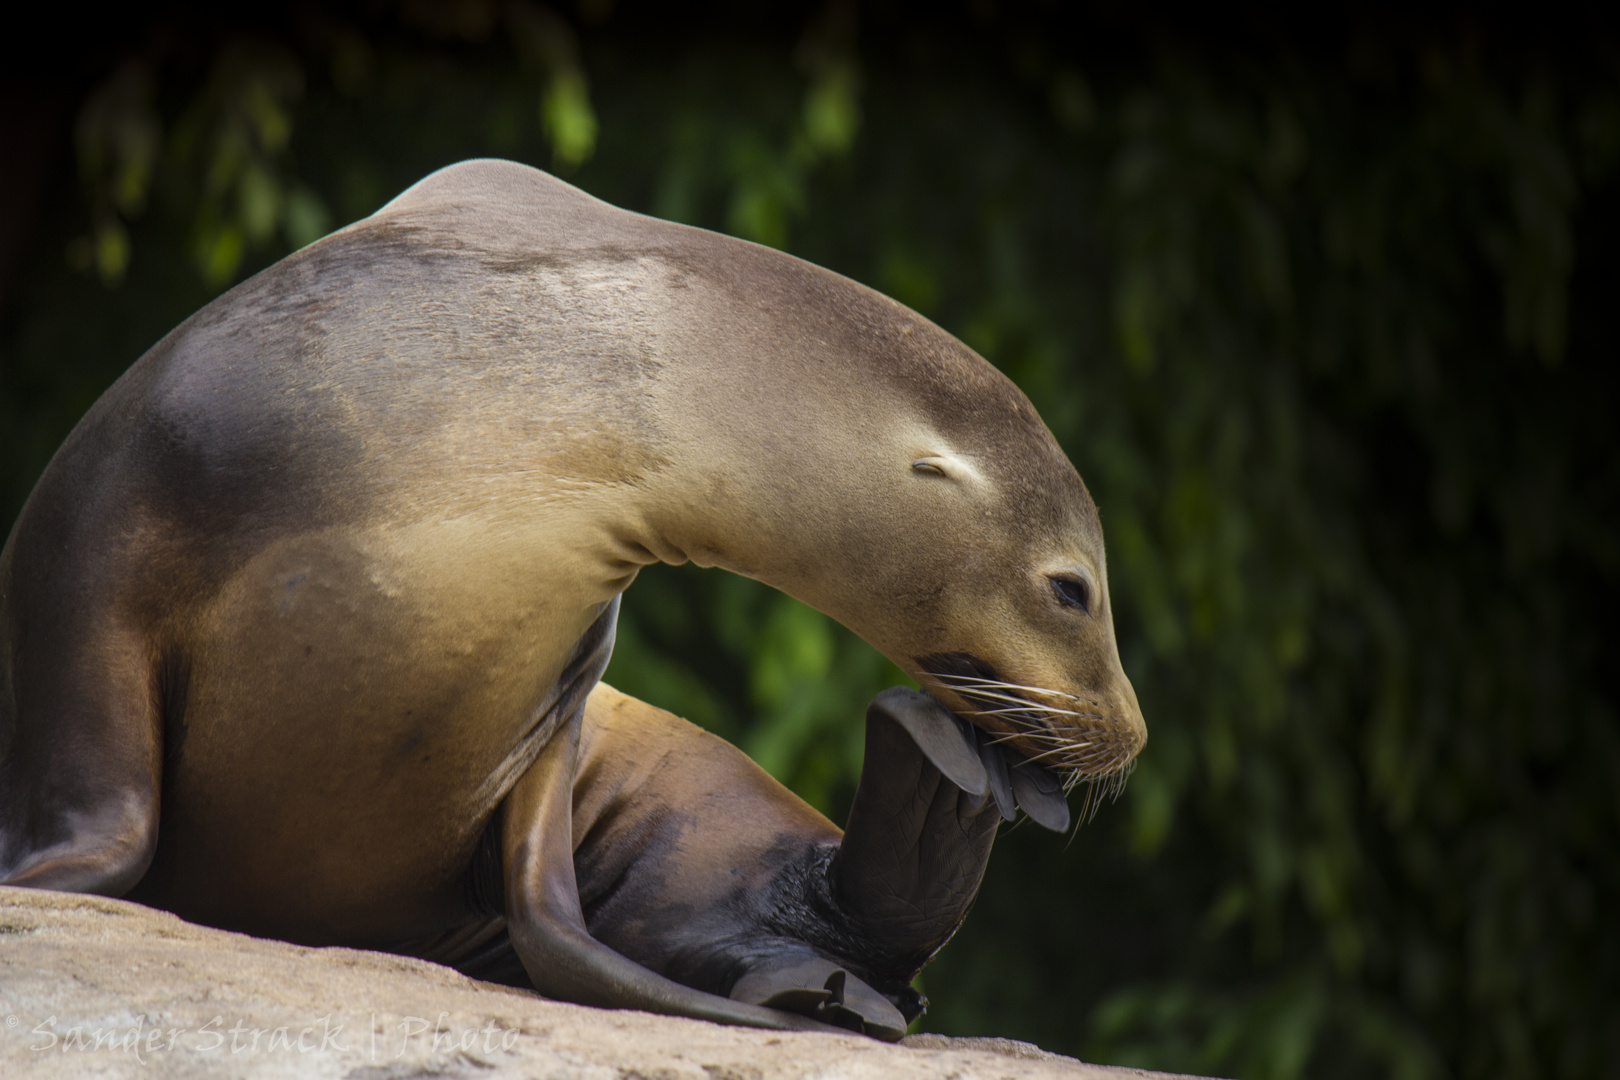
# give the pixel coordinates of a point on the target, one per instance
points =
(569, 119)
(112, 250)
(832, 114)
(259, 203)
(219, 253)
(307, 217)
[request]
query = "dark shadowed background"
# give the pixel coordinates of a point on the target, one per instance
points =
(1325, 312)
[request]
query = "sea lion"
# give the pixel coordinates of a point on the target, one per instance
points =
(326, 572)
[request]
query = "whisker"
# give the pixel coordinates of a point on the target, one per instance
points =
(983, 695)
(1014, 703)
(977, 681)
(953, 677)
(1064, 738)
(1045, 710)
(1084, 746)
(1046, 753)
(1033, 709)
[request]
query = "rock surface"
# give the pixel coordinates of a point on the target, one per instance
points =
(91, 987)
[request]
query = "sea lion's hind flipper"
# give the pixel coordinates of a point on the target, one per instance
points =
(1040, 795)
(547, 926)
(994, 758)
(944, 738)
(564, 962)
(918, 839)
(813, 986)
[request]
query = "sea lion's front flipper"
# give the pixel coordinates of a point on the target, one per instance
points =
(918, 840)
(813, 986)
(546, 923)
(81, 740)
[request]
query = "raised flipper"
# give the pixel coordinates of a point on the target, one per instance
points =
(898, 885)
(919, 834)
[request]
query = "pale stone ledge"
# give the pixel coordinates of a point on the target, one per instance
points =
(91, 987)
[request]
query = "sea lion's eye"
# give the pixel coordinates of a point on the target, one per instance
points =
(1071, 593)
(930, 466)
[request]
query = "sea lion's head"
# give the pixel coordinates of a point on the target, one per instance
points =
(994, 593)
(1026, 648)
(1023, 643)
(843, 448)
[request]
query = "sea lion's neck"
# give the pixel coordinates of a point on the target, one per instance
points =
(788, 481)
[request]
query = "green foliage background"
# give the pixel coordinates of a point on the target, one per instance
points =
(1327, 326)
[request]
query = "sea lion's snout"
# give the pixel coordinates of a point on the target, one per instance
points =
(1082, 736)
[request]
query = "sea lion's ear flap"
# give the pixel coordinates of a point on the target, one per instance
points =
(1040, 795)
(950, 466)
(944, 738)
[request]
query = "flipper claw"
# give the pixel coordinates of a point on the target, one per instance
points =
(818, 988)
(995, 767)
(796, 986)
(1040, 795)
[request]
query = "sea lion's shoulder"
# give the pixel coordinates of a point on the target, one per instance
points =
(487, 205)
(485, 184)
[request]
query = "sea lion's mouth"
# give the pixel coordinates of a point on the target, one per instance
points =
(1074, 737)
